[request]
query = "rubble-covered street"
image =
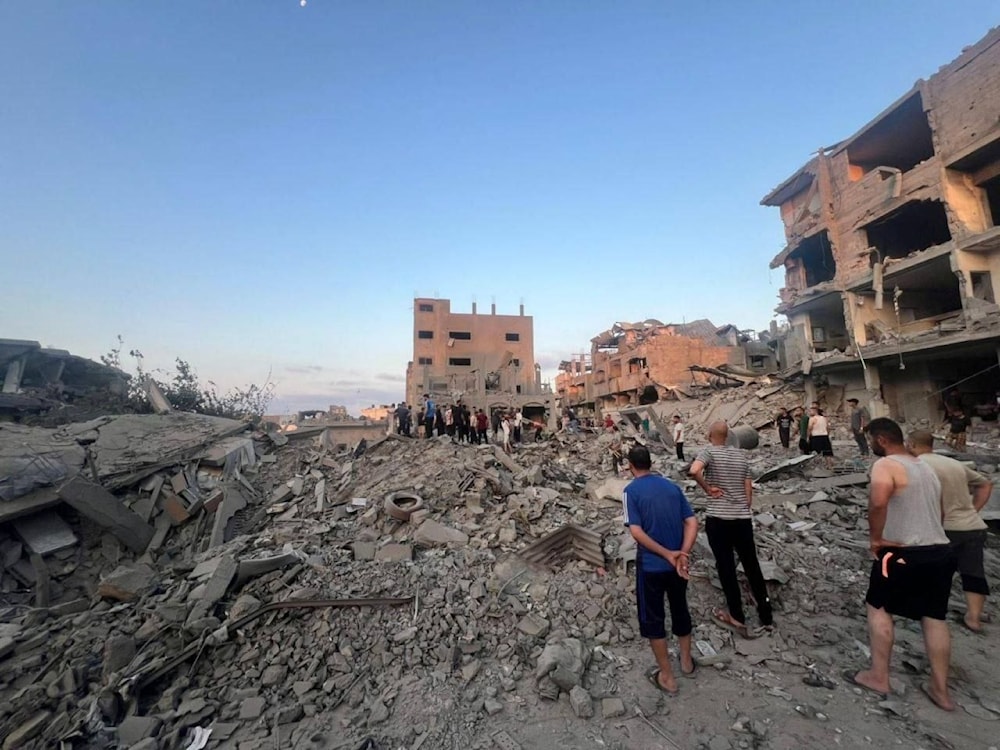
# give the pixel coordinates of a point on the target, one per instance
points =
(221, 588)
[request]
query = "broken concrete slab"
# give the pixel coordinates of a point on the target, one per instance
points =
(215, 588)
(127, 583)
(134, 729)
(232, 503)
(843, 480)
(434, 534)
(784, 466)
(27, 731)
(45, 533)
(393, 552)
(103, 508)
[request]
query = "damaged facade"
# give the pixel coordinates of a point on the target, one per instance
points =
(636, 363)
(893, 249)
(486, 361)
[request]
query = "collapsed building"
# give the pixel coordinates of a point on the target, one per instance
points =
(486, 361)
(638, 363)
(892, 262)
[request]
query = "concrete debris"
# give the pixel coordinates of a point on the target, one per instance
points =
(503, 599)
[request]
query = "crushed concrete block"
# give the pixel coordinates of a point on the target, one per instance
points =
(364, 550)
(581, 702)
(134, 729)
(533, 625)
(119, 650)
(434, 534)
(252, 708)
(127, 583)
(27, 731)
(394, 553)
(104, 509)
(274, 675)
(612, 707)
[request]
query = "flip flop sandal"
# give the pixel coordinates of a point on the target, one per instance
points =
(848, 676)
(723, 619)
(654, 678)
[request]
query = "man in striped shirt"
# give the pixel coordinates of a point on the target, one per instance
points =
(723, 472)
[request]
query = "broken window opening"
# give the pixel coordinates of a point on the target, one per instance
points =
(513, 337)
(991, 189)
(425, 334)
(982, 286)
(492, 381)
(637, 364)
(460, 361)
(902, 139)
(516, 362)
(758, 362)
(425, 360)
(914, 226)
(439, 387)
(460, 335)
(815, 254)
(425, 307)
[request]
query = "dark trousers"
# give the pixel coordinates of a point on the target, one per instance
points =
(482, 438)
(784, 436)
(726, 537)
(429, 427)
(680, 450)
(517, 434)
(862, 441)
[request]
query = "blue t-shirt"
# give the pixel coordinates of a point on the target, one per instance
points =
(659, 507)
(429, 409)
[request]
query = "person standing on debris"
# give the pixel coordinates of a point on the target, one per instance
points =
(723, 472)
(609, 423)
(802, 427)
(913, 563)
(784, 423)
(496, 424)
(957, 424)
(965, 529)
(505, 427)
(818, 434)
(464, 424)
(482, 425)
(449, 421)
(663, 525)
(429, 415)
(859, 420)
(678, 435)
(401, 412)
(439, 422)
(518, 423)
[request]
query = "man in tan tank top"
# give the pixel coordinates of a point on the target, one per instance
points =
(913, 564)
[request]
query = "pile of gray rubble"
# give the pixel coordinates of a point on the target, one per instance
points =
(179, 581)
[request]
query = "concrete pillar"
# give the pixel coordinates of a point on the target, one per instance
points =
(873, 384)
(15, 371)
(493, 308)
(810, 390)
(522, 310)
(473, 308)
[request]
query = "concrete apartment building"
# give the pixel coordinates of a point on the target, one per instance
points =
(629, 359)
(892, 263)
(487, 361)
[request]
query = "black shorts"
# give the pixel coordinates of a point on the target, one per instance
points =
(821, 444)
(650, 589)
(968, 549)
(912, 582)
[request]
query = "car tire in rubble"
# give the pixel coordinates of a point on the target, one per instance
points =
(400, 505)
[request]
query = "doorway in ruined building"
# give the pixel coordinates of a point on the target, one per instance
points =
(991, 191)
(914, 226)
(826, 328)
(982, 286)
(816, 256)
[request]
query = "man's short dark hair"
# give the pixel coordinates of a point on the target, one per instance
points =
(638, 456)
(852, 401)
(883, 427)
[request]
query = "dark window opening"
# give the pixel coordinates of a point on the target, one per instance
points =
(901, 139)
(425, 334)
(513, 337)
(992, 190)
(516, 362)
(915, 226)
(982, 286)
(517, 388)
(461, 335)
(459, 361)
(439, 387)
(757, 362)
(827, 328)
(816, 256)
(426, 307)
(425, 361)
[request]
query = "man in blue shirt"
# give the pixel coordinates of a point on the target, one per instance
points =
(429, 415)
(663, 525)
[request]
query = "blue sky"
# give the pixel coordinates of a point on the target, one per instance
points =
(260, 187)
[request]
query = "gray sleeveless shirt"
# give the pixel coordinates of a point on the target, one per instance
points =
(913, 518)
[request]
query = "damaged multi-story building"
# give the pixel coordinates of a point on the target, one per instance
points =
(486, 361)
(892, 262)
(636, 363)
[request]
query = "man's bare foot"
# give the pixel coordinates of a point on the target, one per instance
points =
(867, 680)
(687, 665)
(665, 682)
(972, 625)
(942, 701)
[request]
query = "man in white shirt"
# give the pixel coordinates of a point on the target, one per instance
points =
(679, 436)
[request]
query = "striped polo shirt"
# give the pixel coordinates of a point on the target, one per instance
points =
(727, 468)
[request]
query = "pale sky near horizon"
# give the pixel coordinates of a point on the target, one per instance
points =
(259, 187)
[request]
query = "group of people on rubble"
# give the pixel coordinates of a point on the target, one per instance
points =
(465, 425)
(924, 524)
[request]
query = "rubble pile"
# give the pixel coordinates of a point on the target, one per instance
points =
(222, 588)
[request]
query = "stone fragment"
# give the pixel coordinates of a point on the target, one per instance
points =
(215, 588)
(252, 708)
(393, 552)
(470, 670)
(119, 650)
(274, 675)
(290, 714)
(379, 713)
(581, 702)
(364, 550)
(27, 731)
(533, 625)
(404, 635)
(564, 662)
(434, 534)
(126, 583)
(243, 606)
(134, 729)
(612, 707)
(492, 706)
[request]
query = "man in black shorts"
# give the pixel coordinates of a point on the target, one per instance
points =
(913, 564)
(664, 528)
